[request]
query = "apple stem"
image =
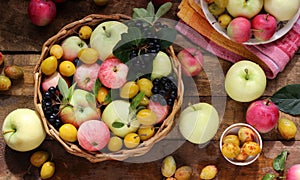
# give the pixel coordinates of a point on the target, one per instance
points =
(247, 74)
(268, 102)
(9, 131)
(106, 33)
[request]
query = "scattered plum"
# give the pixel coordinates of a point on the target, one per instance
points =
(5, 83)
(209, 172)
(183, 173)
(47, 170)
(287, 128)
(168, 166)
(13, 72)
(38, 158)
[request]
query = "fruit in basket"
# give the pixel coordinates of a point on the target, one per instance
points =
(41, 12)
(209, 172)
(168, 166)
(224, 20)
(38, 158)
(131, 140)
(146, 132)
(88, 55)
(71, 46)
(56, 50)
(50, 81)
(82, 105)
(264, 26)
(183, 173)
(47, 170)
(129, 90)
(49, 65)
(160, 110)
(105, 36)
(215, 10)
(221, 3)
(115, 144)
(101, 2)
(263, 115)
(239, 30)
(103, 96)
(16, 132)
(191, 60)
(14, 72)
(113, 73)
(287, 128)
(5, 83)
(146, 117)
(145, 85)
(198, 123)
(86, 76)
(67, 68)
(162, 65)
(245, 75)
(68, 132)
(282, 10)
(247, 9)
(246, 134)
(93, 135)
(85, 32)
(116, 116)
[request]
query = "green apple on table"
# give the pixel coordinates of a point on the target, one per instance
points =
(105, 36)
(23, 130)
(198, 123)
(245, 81)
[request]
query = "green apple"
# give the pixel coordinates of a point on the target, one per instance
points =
(244, 8)
(245, 81)
(71, 46)
(198, 123)
(105, 36)
(116, 117)
(162, 65)
(82, 107)
(23, 130)
(282, 10)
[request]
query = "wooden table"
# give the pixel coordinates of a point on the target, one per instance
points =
(21, 43)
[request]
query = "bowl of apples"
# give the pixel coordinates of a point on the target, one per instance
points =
(241, 144)
(108, 87)
(251, 22)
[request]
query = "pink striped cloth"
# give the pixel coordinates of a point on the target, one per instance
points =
(275, 55)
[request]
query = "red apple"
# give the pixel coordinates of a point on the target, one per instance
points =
(191, 60)
(264, 26)
(93, 135)
(86, 76)
(263, 115)
(239, 30)
(50, 81)
(113, 73)
(160, 110)
(41, 12)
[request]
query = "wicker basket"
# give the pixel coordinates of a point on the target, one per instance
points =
(73, 28)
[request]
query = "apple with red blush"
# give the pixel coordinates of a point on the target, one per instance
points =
(239, 29)
(51, 80)
(93, 135)
(263, 26)
(263, 115)
(161, 111)
(113, 73)
(191, 60)
(71, 46)
(86, 76)
(41, 12)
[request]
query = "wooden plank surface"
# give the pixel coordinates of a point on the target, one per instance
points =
(21, 43)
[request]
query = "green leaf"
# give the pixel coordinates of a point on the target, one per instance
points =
(71, 90)
(163, 9)
(136, 100)
(279, 161)
(97, 86)
(288, 99)
(268, 177)
(167, 36)
(151, 9)
(140, 13)
(117, 124)
(108, 98)
(63, 88)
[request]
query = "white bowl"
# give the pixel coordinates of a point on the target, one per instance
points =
(278, 34)
(233, 129)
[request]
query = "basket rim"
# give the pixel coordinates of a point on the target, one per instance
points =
(74, 149)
